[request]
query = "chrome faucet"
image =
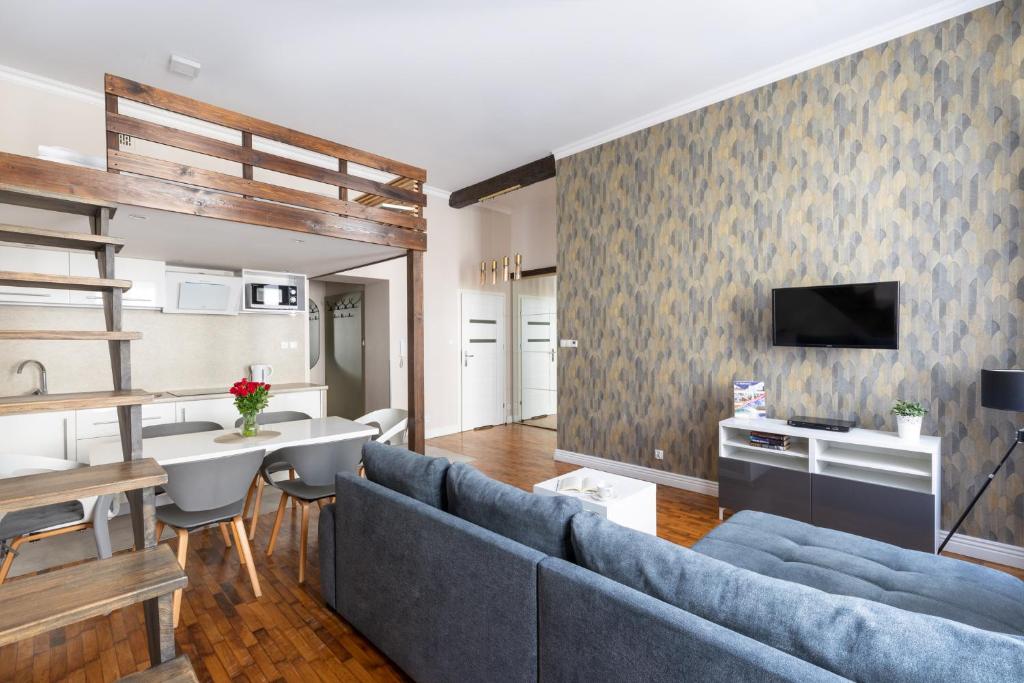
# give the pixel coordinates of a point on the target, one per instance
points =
(42, 390)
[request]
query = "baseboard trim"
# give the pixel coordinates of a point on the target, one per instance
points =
(678, 481)
(983, 549)
(435, 432)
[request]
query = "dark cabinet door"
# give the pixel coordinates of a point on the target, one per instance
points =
(897, 516)
(750, 486)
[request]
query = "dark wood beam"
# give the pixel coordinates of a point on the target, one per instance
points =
(531, 173)
(414, 311)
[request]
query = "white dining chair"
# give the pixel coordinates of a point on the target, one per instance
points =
(392, 422)
(34, 524)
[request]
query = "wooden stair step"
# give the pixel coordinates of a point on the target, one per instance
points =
(178, 670)
(37, 604)
(50, 201)
(18, 234)
(69, 335)
(46, 488)
(15, 405)
(87, 284)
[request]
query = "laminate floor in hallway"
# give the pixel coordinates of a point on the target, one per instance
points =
(288, 634)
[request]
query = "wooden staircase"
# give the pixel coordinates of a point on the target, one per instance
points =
(150, 575)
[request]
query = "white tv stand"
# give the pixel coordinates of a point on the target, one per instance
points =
(867, 482)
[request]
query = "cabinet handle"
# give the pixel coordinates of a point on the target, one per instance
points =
(114, 422)
(25, 294)
(123, 298)
(64, 427)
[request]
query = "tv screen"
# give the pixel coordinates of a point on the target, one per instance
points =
(863, 316)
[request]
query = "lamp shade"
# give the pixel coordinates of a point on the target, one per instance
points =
(1002, 389)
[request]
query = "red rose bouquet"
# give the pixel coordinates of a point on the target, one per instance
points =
(250, 399)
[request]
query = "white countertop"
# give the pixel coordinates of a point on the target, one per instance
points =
(203, 445)
(172, 395)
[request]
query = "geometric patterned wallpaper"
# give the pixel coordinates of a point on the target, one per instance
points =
(903, 162)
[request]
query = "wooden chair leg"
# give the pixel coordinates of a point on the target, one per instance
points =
(226, 533)
(245, 555)
(238, 542)
(258, 498)
(159, 530)
(277, 523)
(304, 531)
(250, 494)
(182, 554)
(9, 559)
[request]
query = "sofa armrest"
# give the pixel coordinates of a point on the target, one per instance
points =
(326, 550)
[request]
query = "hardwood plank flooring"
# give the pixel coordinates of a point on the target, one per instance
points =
(288, 634)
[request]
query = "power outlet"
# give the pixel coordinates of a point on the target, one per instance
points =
(659, 454)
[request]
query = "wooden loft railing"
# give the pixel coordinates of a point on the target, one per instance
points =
(386, 211)
(403, 188)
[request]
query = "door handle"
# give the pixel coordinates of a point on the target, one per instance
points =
(552, 355)
(466, 355)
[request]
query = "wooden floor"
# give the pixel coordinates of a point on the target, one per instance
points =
(288, 635)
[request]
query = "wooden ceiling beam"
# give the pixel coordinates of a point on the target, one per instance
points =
(28, 176)
(531, 173)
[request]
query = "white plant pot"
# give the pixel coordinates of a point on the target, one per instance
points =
(909, 427)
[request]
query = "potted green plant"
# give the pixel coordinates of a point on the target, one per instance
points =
(909, 415)
(250, 399)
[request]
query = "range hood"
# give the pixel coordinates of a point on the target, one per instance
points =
(201, 291)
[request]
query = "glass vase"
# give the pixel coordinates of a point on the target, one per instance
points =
(250, 427)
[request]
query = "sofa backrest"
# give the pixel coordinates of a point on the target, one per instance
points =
(595, 629)
(851, 637)
(445, 599)
(540, 522)
(412, 474)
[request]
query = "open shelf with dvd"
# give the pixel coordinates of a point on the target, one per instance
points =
(850, 476)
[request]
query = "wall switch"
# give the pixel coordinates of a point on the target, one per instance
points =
(659, 454)
(568, 343)
(293, 345)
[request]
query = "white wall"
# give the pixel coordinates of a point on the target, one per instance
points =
(457, 240)
(532, 212)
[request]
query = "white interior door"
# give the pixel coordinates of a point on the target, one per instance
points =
(537, 331)
(483, 359)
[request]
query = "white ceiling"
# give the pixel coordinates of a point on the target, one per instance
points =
(464, 88)
(198, 241)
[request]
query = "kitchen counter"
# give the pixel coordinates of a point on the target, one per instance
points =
(173, 395)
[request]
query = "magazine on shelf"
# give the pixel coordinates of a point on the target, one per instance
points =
(749, 399)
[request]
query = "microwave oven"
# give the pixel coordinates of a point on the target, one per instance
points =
(272, 297)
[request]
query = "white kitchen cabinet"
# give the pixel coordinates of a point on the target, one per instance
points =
(219, 410)
(148, 281)
(99, 426)
(308, 402)
(51, 435)
(103, 421)
(43, 261)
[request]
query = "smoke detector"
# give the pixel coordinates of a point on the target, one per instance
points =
(184, 66)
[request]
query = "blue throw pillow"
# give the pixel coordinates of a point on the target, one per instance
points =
(411, 474)
(852, 637)
(540, 522)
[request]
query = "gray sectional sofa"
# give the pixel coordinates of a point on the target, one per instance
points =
(457, 577)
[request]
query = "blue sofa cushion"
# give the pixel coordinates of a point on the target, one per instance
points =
(540, 522)
(443, 598)
(852, 637)
(844, 564)
(412, 474)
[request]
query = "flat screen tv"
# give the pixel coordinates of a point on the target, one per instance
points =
(861, 316)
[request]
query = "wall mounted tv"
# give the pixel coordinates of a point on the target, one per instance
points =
(861, 316)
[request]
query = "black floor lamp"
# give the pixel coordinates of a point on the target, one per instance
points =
(1000, 390)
